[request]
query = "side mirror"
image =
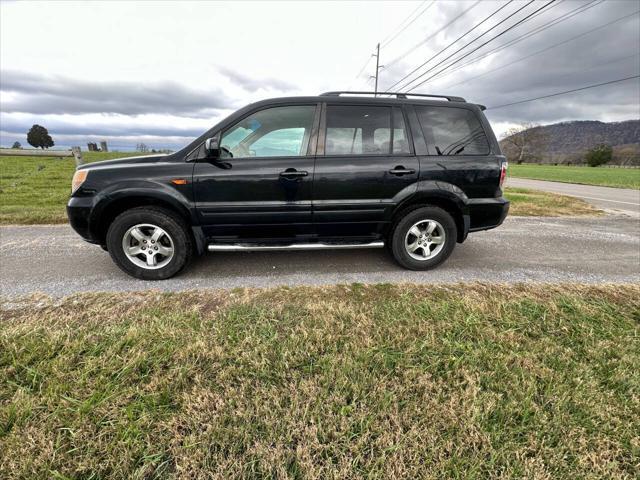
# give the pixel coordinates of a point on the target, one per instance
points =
(212, 147)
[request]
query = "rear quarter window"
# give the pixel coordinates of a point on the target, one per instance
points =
(451, 131)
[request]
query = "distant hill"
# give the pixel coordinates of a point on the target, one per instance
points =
(566, 142)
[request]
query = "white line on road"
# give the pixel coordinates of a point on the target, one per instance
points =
(605, 199)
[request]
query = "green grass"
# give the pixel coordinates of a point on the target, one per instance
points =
(475, 381)
(606, 177)
(526, 203)
(35, 190)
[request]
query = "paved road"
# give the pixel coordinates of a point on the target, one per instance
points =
(55, 261)
(620, 200)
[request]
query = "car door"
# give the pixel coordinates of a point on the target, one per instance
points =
(260, 186)
(365, 158)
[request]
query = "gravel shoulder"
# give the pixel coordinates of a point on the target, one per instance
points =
(53, 260)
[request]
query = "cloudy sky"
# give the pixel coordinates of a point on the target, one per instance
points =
(163, 72)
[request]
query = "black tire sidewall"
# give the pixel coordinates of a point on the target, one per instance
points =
(163, 219)
(407, 221)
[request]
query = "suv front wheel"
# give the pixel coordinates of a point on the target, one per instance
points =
(149, 243)
(423, 238)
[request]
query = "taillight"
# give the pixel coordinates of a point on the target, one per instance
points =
(503, 173)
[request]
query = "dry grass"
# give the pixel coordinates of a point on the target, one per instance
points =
(475, 381)
(528, 203)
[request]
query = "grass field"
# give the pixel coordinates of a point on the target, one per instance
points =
(606, 177)
(338, 382)
(35, 190)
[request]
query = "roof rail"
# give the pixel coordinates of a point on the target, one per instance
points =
(337, 93)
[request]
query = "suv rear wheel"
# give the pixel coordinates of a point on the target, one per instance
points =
(149, 243)
(423, 238)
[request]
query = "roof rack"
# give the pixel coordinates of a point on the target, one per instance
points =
(337, 93)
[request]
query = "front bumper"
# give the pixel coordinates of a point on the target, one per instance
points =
(487, 213)
(78, 211)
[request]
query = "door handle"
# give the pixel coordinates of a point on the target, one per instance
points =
(293, 173)
(400, 170)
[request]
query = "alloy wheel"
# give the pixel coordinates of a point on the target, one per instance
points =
(425, 239)
(148, 246)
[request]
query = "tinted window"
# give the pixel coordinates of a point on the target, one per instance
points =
(344, 141)
(452, 131)
(273, 132)
(358, 130)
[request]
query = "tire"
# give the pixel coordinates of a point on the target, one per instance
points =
(404, 238)
(149, 259)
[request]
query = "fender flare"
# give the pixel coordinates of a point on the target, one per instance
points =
(430, 189)
(136, 189)
(436, 192)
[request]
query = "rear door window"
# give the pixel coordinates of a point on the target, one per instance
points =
(358, 130)
(452, 131)
(365, 130)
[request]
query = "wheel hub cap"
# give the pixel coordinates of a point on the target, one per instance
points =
(148, 246)
(425, 239)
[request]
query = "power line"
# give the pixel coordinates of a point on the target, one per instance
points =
(547, 48)
(530, 33)
(364, 66)
(519, 22)
(456, 40)
(472, 41)
(386, 42)
(408, 17)
(361, 70)
(563, 93)
(422, 42)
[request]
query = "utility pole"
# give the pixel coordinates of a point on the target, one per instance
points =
(377, 69)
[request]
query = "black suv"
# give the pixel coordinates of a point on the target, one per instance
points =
(341, 170)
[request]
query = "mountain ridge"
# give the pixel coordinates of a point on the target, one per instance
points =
(566, 142)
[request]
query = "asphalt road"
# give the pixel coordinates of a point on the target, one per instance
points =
(55, 261)
(620, 200)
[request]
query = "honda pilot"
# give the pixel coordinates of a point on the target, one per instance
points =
(414, 173)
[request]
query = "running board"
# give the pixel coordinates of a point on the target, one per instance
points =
(245, 247)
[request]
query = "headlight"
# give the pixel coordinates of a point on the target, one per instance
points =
(78, 179)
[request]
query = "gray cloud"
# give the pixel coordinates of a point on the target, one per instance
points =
(253, 84)
(600, 56)
(115, 142)
(43, 94)
(57, 127)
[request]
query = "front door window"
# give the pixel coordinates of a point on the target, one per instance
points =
(272, 132)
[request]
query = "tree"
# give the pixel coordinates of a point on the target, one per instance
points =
(141, 147)
(599, 155)
(16, 145)
(38, 137)
(525, 142)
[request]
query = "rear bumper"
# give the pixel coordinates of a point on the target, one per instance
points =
(487, 213)
(78, 211)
